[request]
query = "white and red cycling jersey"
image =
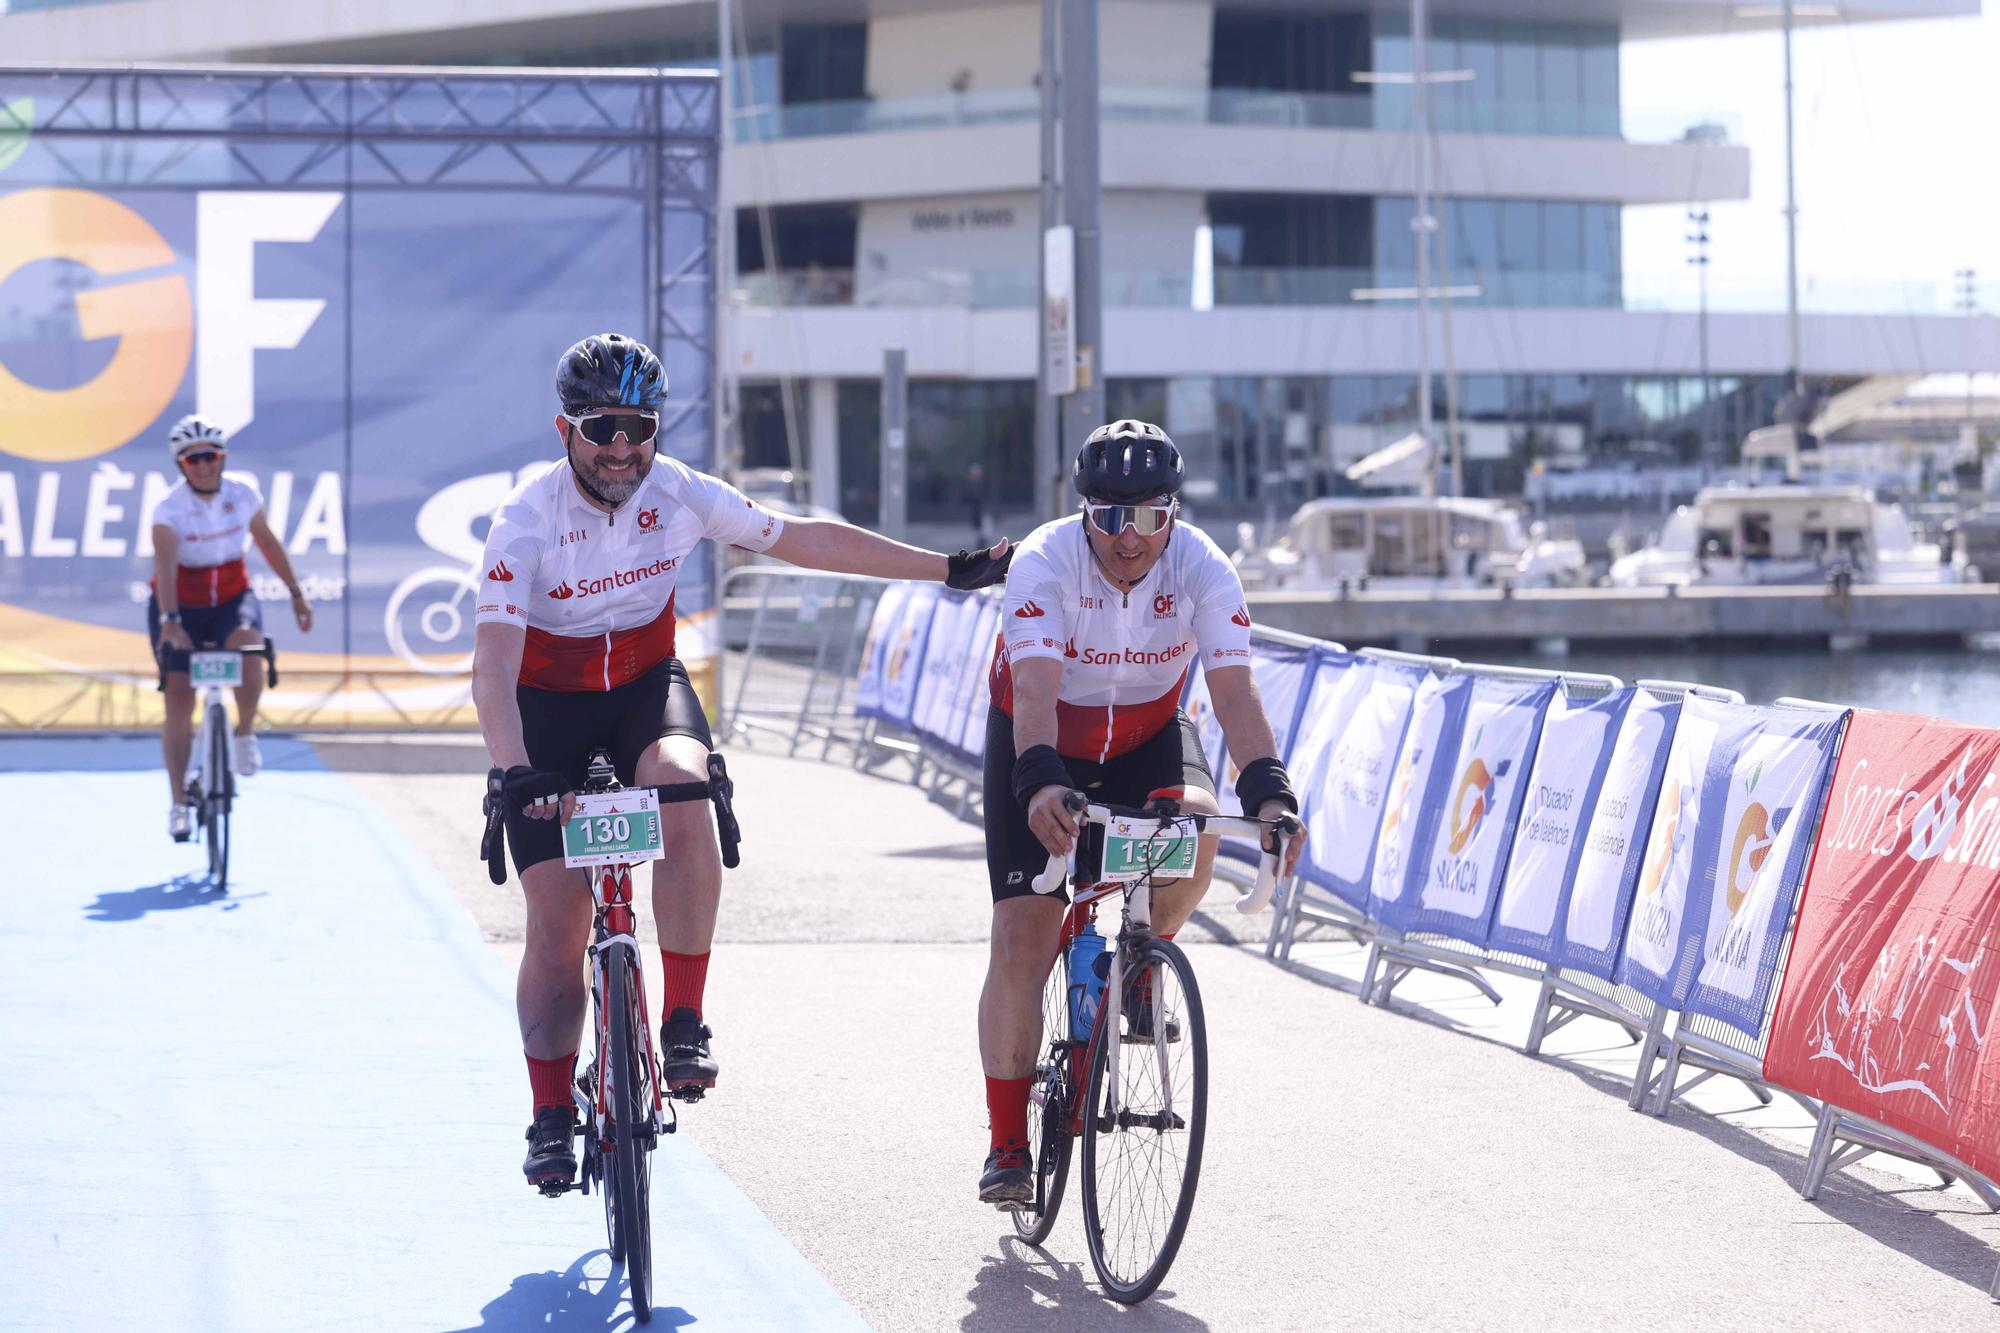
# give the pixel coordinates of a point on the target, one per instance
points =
(1125, 655)
(595, 591)
(214, 531)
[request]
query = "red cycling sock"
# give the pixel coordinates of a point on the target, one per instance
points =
(687, 975)
(1007, 1110)
(552, 1080)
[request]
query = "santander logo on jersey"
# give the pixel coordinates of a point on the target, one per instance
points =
(624, 578)
(1129, 656)
(1028, 611)
(1242, 617)
(500, 573)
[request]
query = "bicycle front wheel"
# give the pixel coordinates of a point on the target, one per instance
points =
(628, 1180)
(215, 803)
(1144, 1121)
(1051, 1101)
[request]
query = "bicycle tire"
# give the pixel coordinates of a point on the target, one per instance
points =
(629, 1182)
(215, 803)
(1049, 1117)
(1134, 1218)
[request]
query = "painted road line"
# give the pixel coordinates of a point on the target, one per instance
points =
(300, 1105)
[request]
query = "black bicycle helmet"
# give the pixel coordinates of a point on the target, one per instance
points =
(610, 370)
(1126, 462)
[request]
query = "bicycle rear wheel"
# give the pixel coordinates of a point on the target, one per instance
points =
(216, 800)
(1143, 1130)
(628, 1181)
(1051, 1098)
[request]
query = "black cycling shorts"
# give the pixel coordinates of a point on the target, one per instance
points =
(562, 727)
(1014, 855)
(206, 626)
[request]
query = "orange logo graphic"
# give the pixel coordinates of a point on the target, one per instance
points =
(1754, 836)
(1666, 839)
(1479, 784)
(152, 319)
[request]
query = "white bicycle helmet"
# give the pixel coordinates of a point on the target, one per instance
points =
(193, 430)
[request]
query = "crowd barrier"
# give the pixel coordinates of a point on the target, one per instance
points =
(1798, 895)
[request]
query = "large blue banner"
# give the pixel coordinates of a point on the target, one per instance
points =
(1612, 863)
(367, 283)
(1461, 873)
(1571, 760)
(1357, 709)
(1743, 791)
(1415, 807)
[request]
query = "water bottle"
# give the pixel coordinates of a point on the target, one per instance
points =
(1086, 981)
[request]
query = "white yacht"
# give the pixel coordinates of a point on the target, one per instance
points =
(1409, 543)
(1735, 536)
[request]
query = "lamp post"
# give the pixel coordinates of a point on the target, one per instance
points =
(1698, 239)
(1968, 305)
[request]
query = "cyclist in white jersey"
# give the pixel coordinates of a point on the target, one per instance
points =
(574, 649)
(1106, 613)
(201, 594)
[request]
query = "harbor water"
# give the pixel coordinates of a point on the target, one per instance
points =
(1960, 685)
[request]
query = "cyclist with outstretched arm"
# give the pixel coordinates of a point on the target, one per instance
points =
(201, 596)
(1105, 613)
(574, 649)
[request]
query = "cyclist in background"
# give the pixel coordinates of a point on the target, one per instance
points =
(1105, 613)
(201, 594)
(575, 649)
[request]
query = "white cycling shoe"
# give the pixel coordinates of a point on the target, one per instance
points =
(249, 759)
(180, 821)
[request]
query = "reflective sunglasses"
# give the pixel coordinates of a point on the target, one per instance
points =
(201, 456)
(1142, 519)
(600, 428)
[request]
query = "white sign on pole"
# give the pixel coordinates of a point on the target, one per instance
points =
(1059, 310)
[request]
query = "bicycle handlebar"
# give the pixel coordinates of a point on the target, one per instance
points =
(1254, 900)
(720, 789)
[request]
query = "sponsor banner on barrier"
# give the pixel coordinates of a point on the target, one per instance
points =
(1415, 807)
(1356, 713)
(975, 699)
(1686, 823)
(1612, 861)
(882, 629)
(1571, 759)
(903, 664)
(1280, 672)
(1756, 776)
(1475, 836)
(1776, 790)
(935, 715)
(1892, 987)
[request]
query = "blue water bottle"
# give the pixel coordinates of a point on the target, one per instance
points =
(1086, 981)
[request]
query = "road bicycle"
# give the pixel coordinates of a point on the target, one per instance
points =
(621, 1111)
(1137, 1105)
(211, 776)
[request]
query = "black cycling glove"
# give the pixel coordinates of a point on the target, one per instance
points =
(523, 785)
(966, 570)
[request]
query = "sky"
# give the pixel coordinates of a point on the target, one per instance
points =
(1898, 128)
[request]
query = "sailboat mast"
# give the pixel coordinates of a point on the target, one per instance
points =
(1791, 226)
(1421, 223)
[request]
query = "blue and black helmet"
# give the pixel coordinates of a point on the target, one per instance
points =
(1127, 462)
(610, 370)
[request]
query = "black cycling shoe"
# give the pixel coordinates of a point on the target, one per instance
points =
(686, 1066)
(1009, 1181)
(1139, 1013)
(551, 1164)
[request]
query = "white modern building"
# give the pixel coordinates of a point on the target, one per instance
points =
(1258, 191)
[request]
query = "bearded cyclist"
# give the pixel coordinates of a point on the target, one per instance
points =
(201, 595)
(1105, 613)
(575, 649)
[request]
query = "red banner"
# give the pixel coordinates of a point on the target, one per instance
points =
(1889, 1000)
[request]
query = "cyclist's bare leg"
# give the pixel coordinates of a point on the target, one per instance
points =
(177, 733)
(1025, 934)
(687, 885)
(1175, 901)
(551, 991)
(252, 688)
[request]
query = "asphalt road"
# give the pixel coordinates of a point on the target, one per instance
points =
(1365, 1167)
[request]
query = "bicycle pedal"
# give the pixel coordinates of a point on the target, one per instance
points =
(555, 1189)
(689, 1093)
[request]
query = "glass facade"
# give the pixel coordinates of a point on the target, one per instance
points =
(1526, 78)
(1536, 252)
